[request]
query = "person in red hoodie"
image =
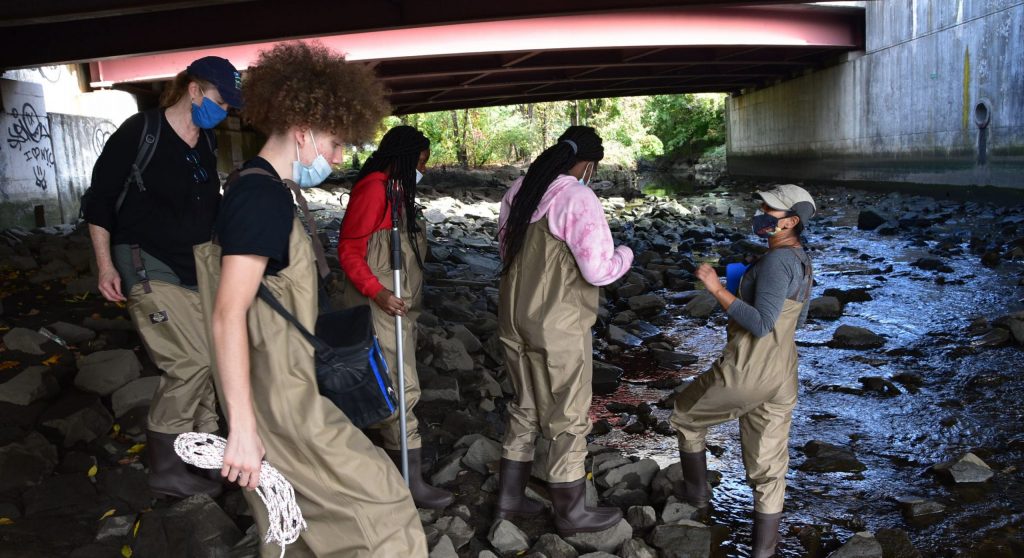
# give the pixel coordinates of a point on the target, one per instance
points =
(364, 250)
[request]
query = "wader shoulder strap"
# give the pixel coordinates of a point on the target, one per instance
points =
(300, 200)
(266, 296)
(140, 268)
(318, 247)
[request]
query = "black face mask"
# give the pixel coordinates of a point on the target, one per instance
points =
(765, 225)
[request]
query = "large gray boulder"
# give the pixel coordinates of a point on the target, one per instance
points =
(482, 455)
(30, 385)
(608, 540)
(860, 545)
(827, 458)
(687, 539)
(852, 337)
(26, 462)
(137, 393)
(639, 474)
(636, 548)
(443, 549)
(646, 305)
(25, 340)
(78, 418)
(552, 546)
(965, 469)
(701, 306)
(825, 308)
(506, 538)
(450, 355)
(71, 333)
(104, 372)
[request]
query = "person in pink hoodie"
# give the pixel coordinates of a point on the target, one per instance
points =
(557, 251)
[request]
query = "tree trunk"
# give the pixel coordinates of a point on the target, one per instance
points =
(460, 137)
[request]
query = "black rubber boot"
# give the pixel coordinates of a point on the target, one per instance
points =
(766, 534)
(512, 500)
(568, 501)
(696, 491)
(423, 495)
(169, 475)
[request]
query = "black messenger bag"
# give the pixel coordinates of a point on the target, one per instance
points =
(350, 367)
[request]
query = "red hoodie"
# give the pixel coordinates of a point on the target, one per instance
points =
(368, 212)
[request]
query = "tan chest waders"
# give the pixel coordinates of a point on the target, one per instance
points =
(351, 496)
(545, 314)
(378, 258)
(755, 381)
(169, 320)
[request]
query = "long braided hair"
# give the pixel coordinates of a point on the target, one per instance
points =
(578, 143)
(397, 156)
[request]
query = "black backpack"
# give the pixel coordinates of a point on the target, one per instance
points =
(151, 127)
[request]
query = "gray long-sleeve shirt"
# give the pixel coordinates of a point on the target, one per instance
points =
(766, 285)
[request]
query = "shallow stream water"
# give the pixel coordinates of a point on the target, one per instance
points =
(970, 399)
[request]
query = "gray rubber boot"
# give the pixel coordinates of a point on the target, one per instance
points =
(512, 500)
(696, 490)
(766, 534)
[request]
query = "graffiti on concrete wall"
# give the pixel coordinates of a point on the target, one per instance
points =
(26, 148)
(101, 131)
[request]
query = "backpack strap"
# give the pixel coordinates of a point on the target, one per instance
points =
(318, 247)
(152, 123)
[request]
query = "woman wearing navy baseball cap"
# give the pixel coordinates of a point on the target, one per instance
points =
(154, 195)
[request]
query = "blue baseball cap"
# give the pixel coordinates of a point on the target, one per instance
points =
(222, 75)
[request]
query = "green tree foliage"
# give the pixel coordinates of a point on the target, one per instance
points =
(687, 125)
(633, 128)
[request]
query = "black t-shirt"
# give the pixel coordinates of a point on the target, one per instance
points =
(175, 212)
(256, 217)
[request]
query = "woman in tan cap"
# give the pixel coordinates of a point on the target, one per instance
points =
(755, 379)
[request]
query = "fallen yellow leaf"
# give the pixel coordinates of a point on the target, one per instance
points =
(135, 530)
(117, 428)
(137, 448)
(92, 473)
(8, 364)
(126, 551)
(109, 513)
(6, 521)
(52, 360)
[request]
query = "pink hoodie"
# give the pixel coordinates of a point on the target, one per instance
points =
(575, 216)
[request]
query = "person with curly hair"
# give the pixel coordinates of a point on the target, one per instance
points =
(557, 250)
(144, 217)
(307, 101)
(364, 250)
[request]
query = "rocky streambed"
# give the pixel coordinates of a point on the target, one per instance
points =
(906, 440)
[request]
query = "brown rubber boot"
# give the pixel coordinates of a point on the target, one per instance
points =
(568, 501)
(512, 500)
(169, 475)
(423, 495)
(696, 491)
(766, 534)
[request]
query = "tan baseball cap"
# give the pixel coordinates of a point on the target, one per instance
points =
(790, 197)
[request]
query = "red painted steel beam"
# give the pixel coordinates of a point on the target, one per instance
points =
(648, 29)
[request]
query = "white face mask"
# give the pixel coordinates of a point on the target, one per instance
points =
(419, 176)
(584, 181)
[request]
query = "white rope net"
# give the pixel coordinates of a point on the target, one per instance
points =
(286, 523)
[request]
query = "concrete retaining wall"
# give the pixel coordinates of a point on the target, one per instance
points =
(907, 109)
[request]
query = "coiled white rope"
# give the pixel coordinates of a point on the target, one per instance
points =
(286, 523)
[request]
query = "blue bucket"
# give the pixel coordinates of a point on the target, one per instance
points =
(733, 273)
